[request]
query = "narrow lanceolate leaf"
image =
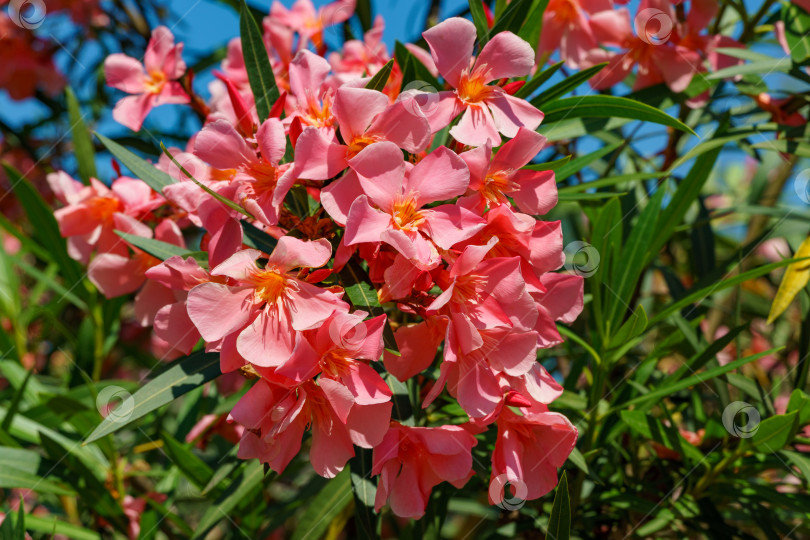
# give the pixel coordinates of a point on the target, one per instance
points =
(13, 526)
(163, 250)
(380, 79)
(365, 492)
(45, 227)
(48, 526)
(192, 467)
(567, 85)
(257, 64)
(325, 507)
(559, 522)
(82, 142)
(414, 71)
(512, 18)
(11, 478)
(479, 18)
(795, 279)
(227, 202)
(537, 81)
(155, 178)
(797, 148)
(608, 107)
(181, 377)
(797, 31)
(581, 162)
(240, 490)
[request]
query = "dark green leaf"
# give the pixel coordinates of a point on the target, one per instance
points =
(325, 507)
(799, 401)
(559, 522)
(608, 107)
(380, 79)
(797, 31)
(155, 178)
(189, 464)
(566, 85)
(241, 489)
(512, 18)
(163, 250)
(82, 141)
(257, 64)
(180, 377)
(775, 433)
(258, 239)
(539, 78)
(364, 491)
(479, 17)
(577, 164)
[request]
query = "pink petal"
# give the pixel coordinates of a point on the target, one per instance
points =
(506, 55)
(380, 168)
(217, 310)
(338, 196)
(512, 113)
(291, 252)
(268, 340)
(364, 223)
(365, 384)
(115, 275)
(124, 73)
(450, 224)
(355, 108)
(311, 305)
(307, 72)
(132, 110)
(173, 325)
(222, 146)
(239, 266)
(538, 191)
(451, 43)
(271, 139)
(476, 127)
(368, 424)
(317, 157)
(442, 175)
(400, 125)
(519, 151)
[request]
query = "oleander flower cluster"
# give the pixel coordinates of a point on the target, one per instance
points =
(401, 249)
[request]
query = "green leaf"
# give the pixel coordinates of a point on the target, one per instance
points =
(610, 181)
(52, 526)
(380, 79)
(698, 378)
(775, 433)
(652, 429)
(559, 522)
(540, 77)
(180, 377)
(184, 459)
(698, 361)
(155, 178)
(240, 489)
(633, 255)
(533, 25)
(325, 507)
(82, 140)
(364, 491)
(163, 250)
(752, 68)
(797, 31)
(15, 402)
(257, 238)
(566, 85)
(577, 164)
(13, 526)
(479, 18)
(413, 70)
(257, 64)
(593, 106)
(512, 18)
(700, 295)
(11, 477)
(799, 401)
(801, 149)
(46, 229)
(549, 165)
(632, 327)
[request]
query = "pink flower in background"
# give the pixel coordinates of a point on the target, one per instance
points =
(411, 461)
(309, 23)
(152, 83)
(566, 27)
(487, 109)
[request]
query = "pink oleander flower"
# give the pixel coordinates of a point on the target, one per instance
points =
(411, 461)
(566, 26)
(400, 218)
(339, 350)
(494, 179)
(259, 313)
(88, 220)
(152, 83)
(276, 412)
(488, 109)
(257, 179)
(362, 58)
(530, 448)
(309, 23)
(417, 344)
(311, 100)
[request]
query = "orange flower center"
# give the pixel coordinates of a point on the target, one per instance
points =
(155, 82)
(334, 362)
(104, 207)
(319, 113)
(472, 87)
(406, 214)
(467, 289)
(266, 177)
(270, 285)
(496, 185)
(358, 144)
